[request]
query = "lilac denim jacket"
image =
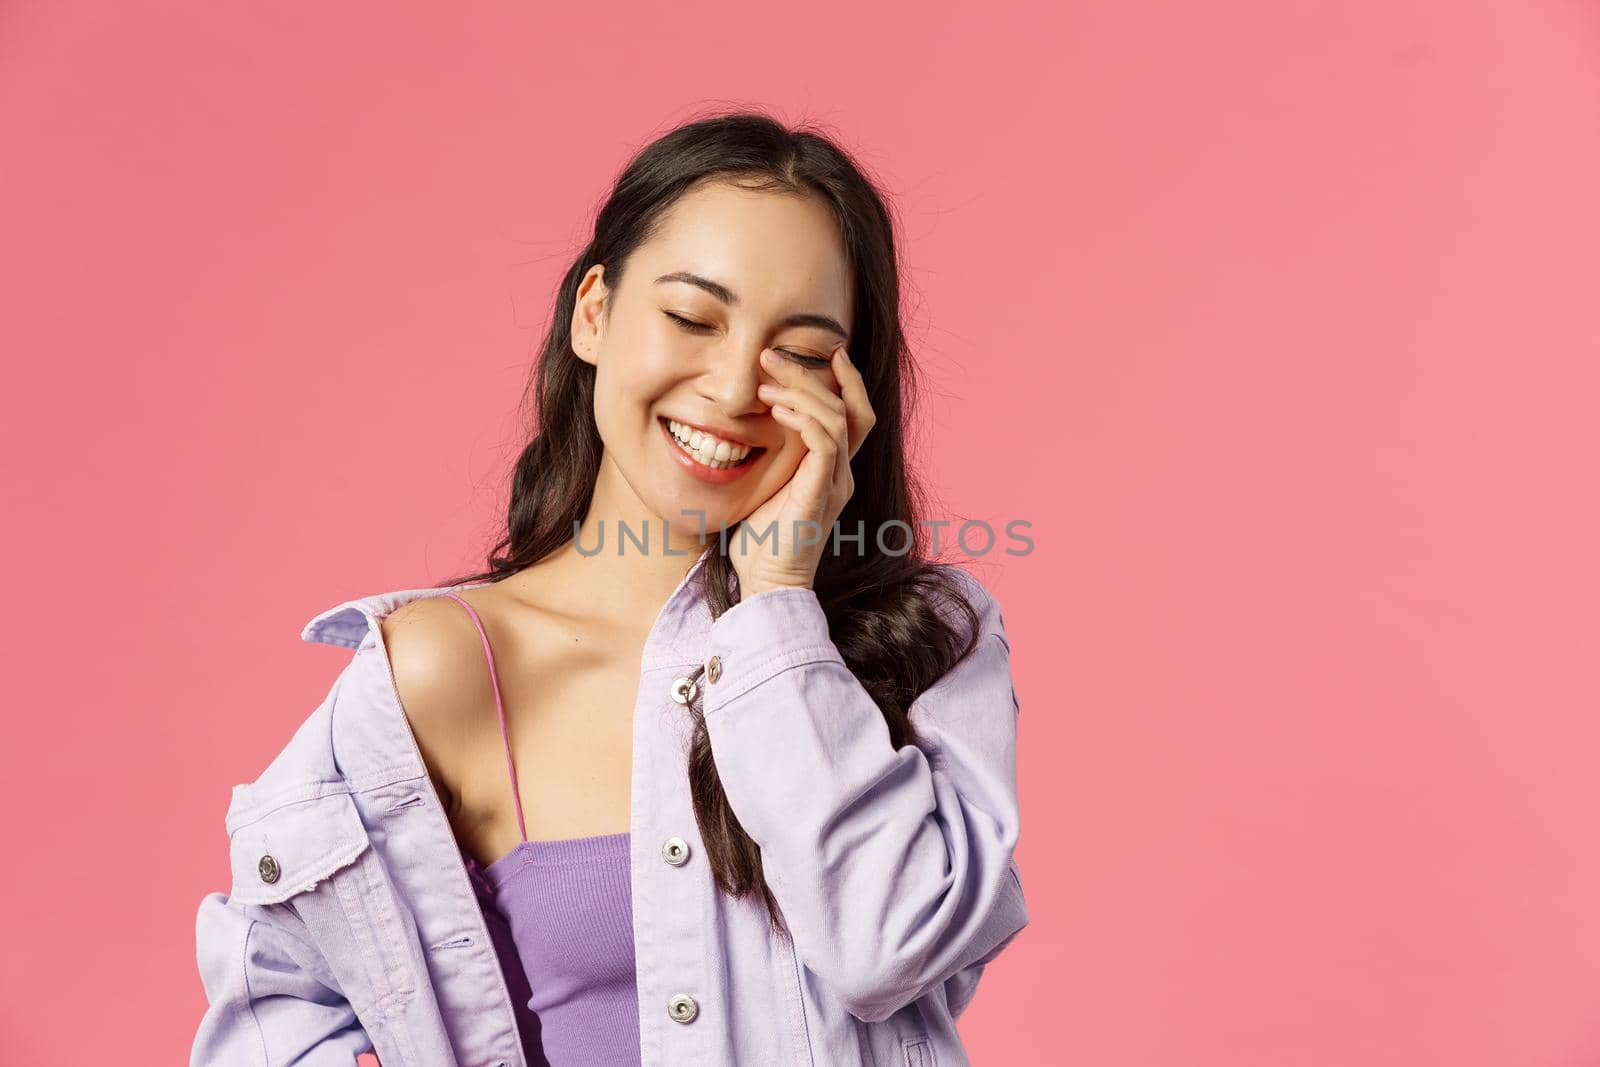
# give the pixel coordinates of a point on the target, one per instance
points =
(351, 925)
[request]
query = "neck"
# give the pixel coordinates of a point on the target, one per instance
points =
(626, 560)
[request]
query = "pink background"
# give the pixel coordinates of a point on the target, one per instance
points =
(1277, 320)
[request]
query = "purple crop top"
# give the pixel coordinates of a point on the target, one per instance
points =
(560, 914)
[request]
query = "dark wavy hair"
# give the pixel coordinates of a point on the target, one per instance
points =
(890, 615)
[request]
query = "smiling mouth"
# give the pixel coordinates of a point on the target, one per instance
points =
(706, 458)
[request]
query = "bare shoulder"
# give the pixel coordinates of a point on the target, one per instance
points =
(429, 641)
(440, 676)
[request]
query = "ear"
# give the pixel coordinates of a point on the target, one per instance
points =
(588, 314)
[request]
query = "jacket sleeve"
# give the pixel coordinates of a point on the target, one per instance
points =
(893, 866)
(961, 987)
(271, 1000)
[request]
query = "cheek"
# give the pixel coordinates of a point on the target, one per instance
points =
(636, 371)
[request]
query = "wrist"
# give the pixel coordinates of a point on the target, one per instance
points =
(764, 586)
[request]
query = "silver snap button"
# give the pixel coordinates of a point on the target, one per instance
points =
(683, 690)
(675, 851)
(268, 868)
(713, 669)
(682, 1008)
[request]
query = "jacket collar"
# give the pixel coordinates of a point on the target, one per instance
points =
(347, 624)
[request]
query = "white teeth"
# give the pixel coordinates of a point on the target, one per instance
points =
(710, 451)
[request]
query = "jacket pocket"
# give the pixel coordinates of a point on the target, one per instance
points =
(280, 849)
(308, 854)
(273, 956)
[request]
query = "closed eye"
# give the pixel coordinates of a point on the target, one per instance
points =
(692, 327)
(813, 362)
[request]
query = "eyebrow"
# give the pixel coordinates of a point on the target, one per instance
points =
(729, 297)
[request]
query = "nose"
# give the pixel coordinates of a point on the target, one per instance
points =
(730, 379)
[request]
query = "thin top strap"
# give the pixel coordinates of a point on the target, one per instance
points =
(499, 707)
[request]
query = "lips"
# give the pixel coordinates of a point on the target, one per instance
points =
(694, 467)
(710, 449)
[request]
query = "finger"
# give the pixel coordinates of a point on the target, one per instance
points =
(826, 408)
(803, 391)
(810, 394)
(822, 449)
(858, 407)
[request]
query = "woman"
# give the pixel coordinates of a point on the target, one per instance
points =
(727, 764)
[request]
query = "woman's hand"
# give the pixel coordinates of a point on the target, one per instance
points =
(802, 513)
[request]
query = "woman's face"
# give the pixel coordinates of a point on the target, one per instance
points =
(729, 272)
